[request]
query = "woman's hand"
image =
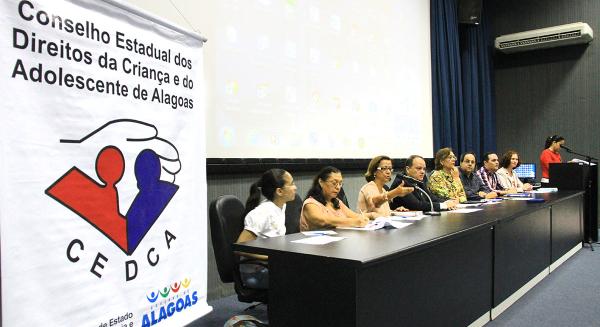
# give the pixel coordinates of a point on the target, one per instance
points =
(362, 220)
(401, 208)
(402, 190)
(455, 173)
(451, 204)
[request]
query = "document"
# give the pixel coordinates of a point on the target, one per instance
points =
(319, 232)
(407, 213)
(579, 161)
(545, 190)
(467, 205)
(319, 240)
(409, 219)
(518, 195)
(464, 210)
(379, 223)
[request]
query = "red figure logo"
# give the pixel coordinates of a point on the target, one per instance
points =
(101, 206)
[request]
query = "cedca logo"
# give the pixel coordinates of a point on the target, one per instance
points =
(95, 196)
(169, 300)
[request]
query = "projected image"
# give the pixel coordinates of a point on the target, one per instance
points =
(329, 79)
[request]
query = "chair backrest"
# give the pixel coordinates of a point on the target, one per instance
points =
(292, 215)
(342, 196)
(226, 215)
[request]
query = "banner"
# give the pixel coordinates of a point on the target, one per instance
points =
(102, 167)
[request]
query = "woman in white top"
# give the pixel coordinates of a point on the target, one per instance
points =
(373, 197)
(265, 219)
(506, 175)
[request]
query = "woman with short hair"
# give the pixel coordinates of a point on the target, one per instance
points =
(373, 197)
(445, 181)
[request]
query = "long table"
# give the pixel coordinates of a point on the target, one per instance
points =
(453, 270)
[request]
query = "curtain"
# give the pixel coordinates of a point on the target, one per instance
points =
(462, 91)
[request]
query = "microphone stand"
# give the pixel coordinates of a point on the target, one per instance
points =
(432, 212)
(588, 190)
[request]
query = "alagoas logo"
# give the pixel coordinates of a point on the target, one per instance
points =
(169, 300)
(97, 200)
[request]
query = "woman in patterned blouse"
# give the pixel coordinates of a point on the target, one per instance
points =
(445, 180)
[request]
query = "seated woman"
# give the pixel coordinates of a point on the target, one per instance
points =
(445, 181)
(372, 196)
(322, 208)
(265, 219)
(506, 175)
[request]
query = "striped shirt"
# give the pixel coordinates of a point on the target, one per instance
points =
(490, 179)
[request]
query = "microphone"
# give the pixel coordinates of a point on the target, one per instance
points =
(432, 212)
(566, 148)
(411, 179)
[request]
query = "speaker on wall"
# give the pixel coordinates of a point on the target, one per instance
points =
(469, 11)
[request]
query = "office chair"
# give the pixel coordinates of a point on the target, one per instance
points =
(342, 197)
(292, 215)
(226, 215)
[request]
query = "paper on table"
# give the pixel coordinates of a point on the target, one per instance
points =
(487, 203)
(319, 240)
(579, 161)
(370, 226)
(466, 205)
(517, 195)
(379, 223)
(415, 213)
(545, 190)
(519, 199)
(411, 219)
(464, 210)
(319, 232)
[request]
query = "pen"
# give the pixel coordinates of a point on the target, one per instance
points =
(262, 235)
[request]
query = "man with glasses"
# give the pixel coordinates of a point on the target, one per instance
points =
(414, 174)
(474, 187)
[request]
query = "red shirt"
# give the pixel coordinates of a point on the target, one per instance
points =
(546, 158)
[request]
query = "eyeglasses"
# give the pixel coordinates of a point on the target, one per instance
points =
(291, 184)
(335, 183)
(386, 168)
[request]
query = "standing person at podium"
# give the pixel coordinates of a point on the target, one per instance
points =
(549, 155)
(322, 208)
(507, 176)
(373, 197)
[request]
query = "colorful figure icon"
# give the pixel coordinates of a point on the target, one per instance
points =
(98, 203)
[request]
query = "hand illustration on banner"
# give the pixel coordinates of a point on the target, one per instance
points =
(122, 131)
(98, 203)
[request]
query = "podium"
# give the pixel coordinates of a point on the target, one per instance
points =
(580, 177)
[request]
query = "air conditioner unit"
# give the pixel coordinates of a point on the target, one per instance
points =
(549, 37)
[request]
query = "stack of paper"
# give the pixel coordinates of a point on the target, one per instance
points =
(379, 223)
